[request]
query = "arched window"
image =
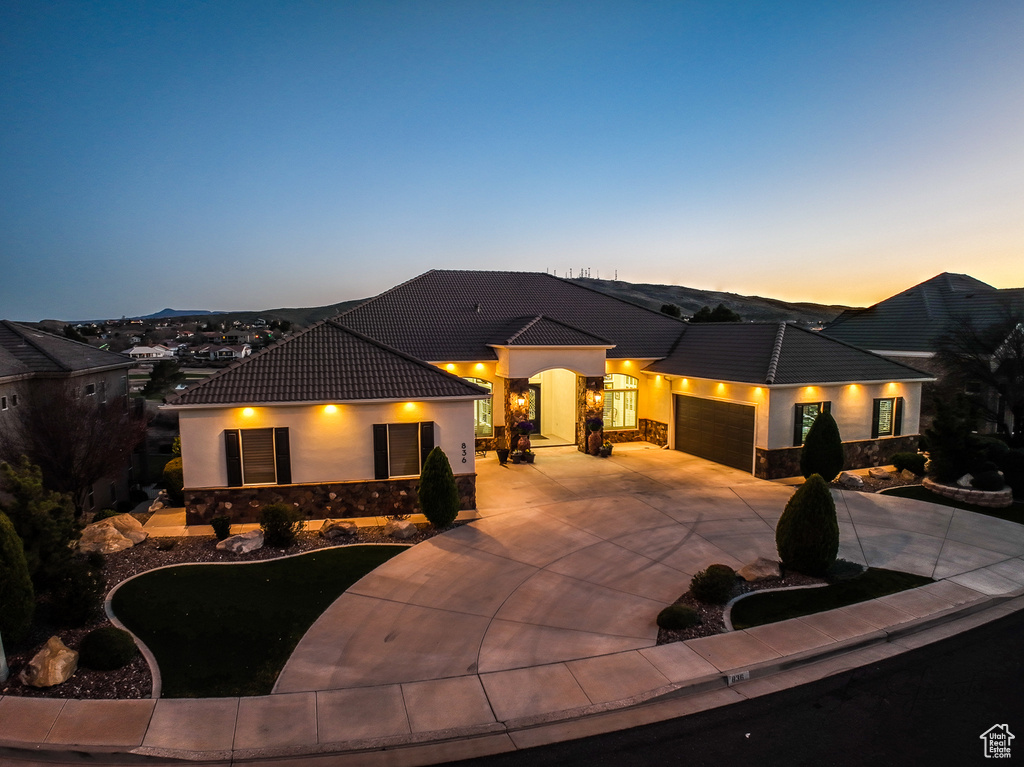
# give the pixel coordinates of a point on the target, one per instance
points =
(483, 411)
(620, 395)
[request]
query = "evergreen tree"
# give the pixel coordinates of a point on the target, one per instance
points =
(17, 598)
(438, 493)
(807, 535)
(823, 449)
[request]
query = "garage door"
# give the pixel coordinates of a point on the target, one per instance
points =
(719, 431)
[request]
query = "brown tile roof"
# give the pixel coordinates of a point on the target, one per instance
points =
(26, 351)
(325, 363)
(544, 331)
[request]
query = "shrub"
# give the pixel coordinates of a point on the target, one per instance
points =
(909, 461)
(1012, 465)
(104, 514)
(823, 449)
(988, 480)
(107, 648)
(174, 480)
(714, 584)
(77, 591)
(176, 447)
(949, 440)
(986, 450)
(279, 523)
(221, 526)
(438, 493)
(678, 617)
(807, 535)
(17, 596)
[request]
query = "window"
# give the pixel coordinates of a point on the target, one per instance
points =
(258, 456)
(103, 392)
(887, 418)
(3, 403)
(399, 449)
(806, 412)
(14, 400)
(483, 411)
(90, 390)
(620, 395)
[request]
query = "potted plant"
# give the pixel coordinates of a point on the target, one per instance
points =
(517, 457)
(502, 455)
(528, 456)
(595, 426)
(605, 450)
(524, 428)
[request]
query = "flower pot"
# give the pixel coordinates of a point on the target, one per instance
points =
(529, 457)
(594, 442)
(517, 458)
(502, 456)
(523, 444)
(605, 451)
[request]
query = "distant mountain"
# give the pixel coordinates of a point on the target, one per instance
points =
(690, 300)
(163, 313)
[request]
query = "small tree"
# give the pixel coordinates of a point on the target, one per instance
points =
(17, 597)
(164, 375)
(823, 449)
(280, 523)
(671, 310)
(174, 480)
(438, 493)
(720, 313)
(807, 535)
(949, 439)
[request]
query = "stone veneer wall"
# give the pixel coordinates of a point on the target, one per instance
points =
(785, 462)
(584, 410)
(333, 500)
(654, 432)
(493, 443)
(514, 412)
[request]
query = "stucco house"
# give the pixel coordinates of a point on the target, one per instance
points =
(513, 346)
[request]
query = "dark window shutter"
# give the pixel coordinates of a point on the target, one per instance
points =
(380, 451)
(897, 426)
(875, 411)
(798, 423)
(826, 407)
(426, 441)
(234, 456)
(282, 456)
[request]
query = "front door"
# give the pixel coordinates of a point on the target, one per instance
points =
(533, 413)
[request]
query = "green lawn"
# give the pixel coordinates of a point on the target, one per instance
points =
(227, 630)
(1014, 513)
(773, 606)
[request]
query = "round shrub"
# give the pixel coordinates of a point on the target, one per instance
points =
(909, 461)
(279, 523)
(823, 449)
(1012, 464)
(438, 494)
(17, 596)
(107, 648)
(221, 526)
(988, 480)
(678, 617)
(807, 535)
(174, 480)
(714, 584)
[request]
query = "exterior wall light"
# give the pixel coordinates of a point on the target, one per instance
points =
(449, 367)
(521, 401)
(330, 408)
(248, 412)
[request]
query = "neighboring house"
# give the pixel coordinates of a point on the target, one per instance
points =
(157, 351)
(30, 358)
(238, 337)
(329, 420)
(222, 351)
(556, 353)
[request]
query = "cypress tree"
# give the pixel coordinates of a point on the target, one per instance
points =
(807, 535)
(823, 449)
(438, 493)
(17, 598)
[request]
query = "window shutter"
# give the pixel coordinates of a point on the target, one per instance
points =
(798, 422)
(426, 441)
(826, 407)
(282, 456)
(897, 426)
(234, 457)
(875, 412)
(380, 451)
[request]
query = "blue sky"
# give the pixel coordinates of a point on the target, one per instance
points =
(249, 155)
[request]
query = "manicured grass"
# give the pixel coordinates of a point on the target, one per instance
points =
(773, 606)
(227, 630)
(1014, 513)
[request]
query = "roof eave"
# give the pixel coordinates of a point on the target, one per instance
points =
(314, 403)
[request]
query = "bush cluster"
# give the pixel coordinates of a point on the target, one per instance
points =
(677, 617)
(910, 462)
(107, 648)
(823, 449)
(174, 480)
(714, 584)
(280, 523)
(807, 534)
(221, 526)
(77, 589)
(17, 597)
(438, 494)
(989, 479)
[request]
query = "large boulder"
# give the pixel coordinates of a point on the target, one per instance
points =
(128, 526)
(54, 664)
(760, 569)
(849, 479)
(242, 543)
(907, 475)
(877, 472)
(103, 538)
(400, 529)
(342, 528)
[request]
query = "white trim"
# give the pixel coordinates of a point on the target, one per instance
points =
(889, 353)
(312, 403)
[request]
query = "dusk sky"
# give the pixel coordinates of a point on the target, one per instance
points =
(252, 155)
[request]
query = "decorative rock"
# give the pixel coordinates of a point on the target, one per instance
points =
(242, 543)
(907, 475)
(160, 502)
(400, 528)
(966, 480)
(128, 526)
(54, 664)
(760, 569)
(847, 479)
(877, 472)
(103, 538)
(164, 544)
(340, 529)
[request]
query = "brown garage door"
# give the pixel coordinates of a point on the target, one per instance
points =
(719, 431)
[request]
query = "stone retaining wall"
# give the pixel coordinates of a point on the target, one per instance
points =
(367, 498)
(992, 499)
(859, 454)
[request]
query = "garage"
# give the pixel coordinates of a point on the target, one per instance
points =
(719, 431)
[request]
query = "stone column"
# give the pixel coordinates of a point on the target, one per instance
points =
(515, 389)
(589, 404)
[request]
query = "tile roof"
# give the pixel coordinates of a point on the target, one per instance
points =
(914, 319)
(453, 315)
(26, 351)
(326, 362)
(544, 331)
(775, 354)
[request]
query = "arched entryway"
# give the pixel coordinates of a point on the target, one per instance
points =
(552, 407)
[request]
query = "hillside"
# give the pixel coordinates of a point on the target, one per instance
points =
(690, 300)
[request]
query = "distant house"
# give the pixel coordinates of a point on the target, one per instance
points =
(156, 351)
(31, 359)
